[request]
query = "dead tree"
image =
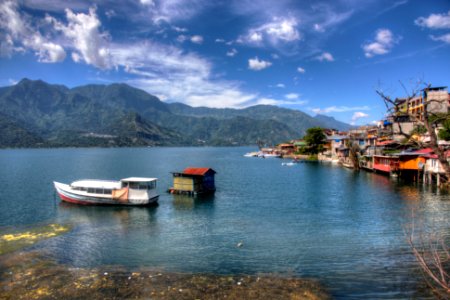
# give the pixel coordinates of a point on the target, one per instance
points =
(434, 113)
(433, 255)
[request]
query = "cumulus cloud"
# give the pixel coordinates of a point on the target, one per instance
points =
(232, 52)
(434, 21)
(359, 115)
(325, 56)
(383, 43)
(301, 70)
(197, 39)
(18, 35)
(291, 96)
(219, 40)
(256, 65)
(338, 109)
(443, 38)
(89, 43)
(280, 85)
(280, 30)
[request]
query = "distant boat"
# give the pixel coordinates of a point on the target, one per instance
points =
(128, 191)
(252, 154)
(268, 155)
(289, 164)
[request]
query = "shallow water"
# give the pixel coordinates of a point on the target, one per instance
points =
(311, 220)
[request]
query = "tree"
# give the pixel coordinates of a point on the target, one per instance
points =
(315, 139)
(433, 103)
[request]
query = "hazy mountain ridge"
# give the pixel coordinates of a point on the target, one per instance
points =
(120, 115)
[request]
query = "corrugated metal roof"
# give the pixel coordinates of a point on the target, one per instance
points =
(197, 171)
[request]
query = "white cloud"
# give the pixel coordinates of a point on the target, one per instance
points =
(325, 56)
(301, 70)
(291, 96)
(90, 45)
(256, 65)
(359, 115)
(197, 39)
(271, 101)
(280, 30)
(280, 85)
(19, 36)
(338, 109)
(12, 81)
(232, 52)
(255, 37)
(383, 43)
(434, 21)
(443, 38)
(220, 40)
(147, 2)
(319, 28)
(174, 10)
(178, 76)
(179, 29)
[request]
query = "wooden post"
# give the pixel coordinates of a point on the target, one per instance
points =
(438, 179)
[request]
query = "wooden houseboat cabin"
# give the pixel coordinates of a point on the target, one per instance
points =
(194, 181)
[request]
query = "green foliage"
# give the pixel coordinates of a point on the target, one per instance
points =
(315, 139)
(419, 129)
(444, 133)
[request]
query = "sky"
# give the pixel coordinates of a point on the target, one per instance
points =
(320, 57)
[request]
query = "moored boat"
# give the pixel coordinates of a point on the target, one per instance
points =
(127, 191)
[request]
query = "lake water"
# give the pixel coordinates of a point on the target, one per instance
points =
(320, 221)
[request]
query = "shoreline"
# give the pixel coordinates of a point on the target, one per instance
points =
(32, 275)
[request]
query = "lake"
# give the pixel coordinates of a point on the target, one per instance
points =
(310, 220)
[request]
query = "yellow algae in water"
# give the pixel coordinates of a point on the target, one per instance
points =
(15, 241)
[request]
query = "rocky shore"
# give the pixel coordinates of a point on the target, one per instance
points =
(32, 275)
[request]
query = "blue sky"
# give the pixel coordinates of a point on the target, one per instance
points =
(324, 57)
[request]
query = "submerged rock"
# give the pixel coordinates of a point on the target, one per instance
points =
(10, 242)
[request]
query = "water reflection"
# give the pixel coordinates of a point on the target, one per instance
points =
(183, 202)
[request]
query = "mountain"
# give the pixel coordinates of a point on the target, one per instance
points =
(120, 115)
(12, 135)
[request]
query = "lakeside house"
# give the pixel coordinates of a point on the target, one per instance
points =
(383, 147)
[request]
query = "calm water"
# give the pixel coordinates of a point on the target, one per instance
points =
(309, 220)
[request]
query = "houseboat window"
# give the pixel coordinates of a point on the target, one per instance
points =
(133, 185)
(91, 190)
(107, 191)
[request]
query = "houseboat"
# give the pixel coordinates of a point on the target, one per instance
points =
(128, 191)
(193, 182)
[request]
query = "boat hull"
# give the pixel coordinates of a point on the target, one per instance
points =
(66, 195)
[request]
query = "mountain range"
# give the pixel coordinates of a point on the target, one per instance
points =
(38, 114)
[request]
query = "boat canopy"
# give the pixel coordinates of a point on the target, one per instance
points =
(138, 179)
(96, 184)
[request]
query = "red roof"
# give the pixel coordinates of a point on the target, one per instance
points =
(197, 171)
(424, 151)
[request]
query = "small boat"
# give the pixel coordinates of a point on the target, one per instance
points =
(289, 164)
(268, 155)
(127, 191)
(251, 154)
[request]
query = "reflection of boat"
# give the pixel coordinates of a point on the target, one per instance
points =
(128, 191)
